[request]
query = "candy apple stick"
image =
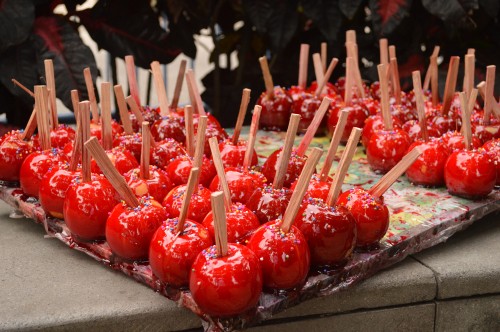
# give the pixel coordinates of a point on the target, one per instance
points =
(190, 187)
(300, 189)
(188, 118)
(195, 92)
(25, 89)
(334, 144)
(252, 136)
(84, 114)
(434, 81)
(344, 163)
(390, 177)
(313, 127)
(268, 79)
(451, 83)
(51, 85)
(384, 55)
(245, 99)
(419, 96)
(466, 125)
(219, 167)
(327, 76)
(220, 223)
(395, 79)
(429, 73)
(495, 106)
(490, 86)
(324, 49)
(284, 156)
(200, 144)
(115, 178)
(349, 77)
(318, 67)
(134, 108)
(356, 73)
(472, 101)
(30, 128)
(107, 133)
(145, 150)
(303, 63)
(77, 142)
(178, 85)
(161, 92)
(132, 78)
(91, 92)
(384, 97)
(42, 116)
(122, 108)
(468, 83)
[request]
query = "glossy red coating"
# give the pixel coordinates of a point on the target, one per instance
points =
(386, 148)
(131, 143)
(370, 213)
(96, 129)
(199, 205)
(493, 148)
(53, 188)
(306, 107)
(129, 230)
(375, 123)
(268, 203)
(295, 166)
(13, 151)
(62, 135)
(356, 118)
(165, 151)
(316, 188)
(226, 286)
(178, 170)
(87, 206)
(35, 166)
(170, 126)
(171, 254)
(455, 141)
(330, 232)
(122, 159)
(212, 131)
(241, 184)
(234, 155)
(283, 257)
(414, 130)
(158, 185)
(428, 168)
(276, 111)
(240, 223)
(470, 174)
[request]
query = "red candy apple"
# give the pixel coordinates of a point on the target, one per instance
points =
(199, 205)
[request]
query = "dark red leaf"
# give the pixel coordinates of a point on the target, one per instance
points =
(16, 20)
(388, 14)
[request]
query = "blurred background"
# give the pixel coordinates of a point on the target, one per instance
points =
(222, 40)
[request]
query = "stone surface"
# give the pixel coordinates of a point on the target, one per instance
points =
(467, 264)
(472, 314)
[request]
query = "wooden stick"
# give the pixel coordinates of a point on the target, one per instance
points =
(490, 86)
(268, 79)
(245, 99)
(345, 161)
(196, 93)
(472, 101)
(395, 79)
(161, 92)
(349, 83)
(419, 96)
(384, 55)
(313, 127)
(145, 151)
(392, 51)
(303, 63)
(106, 129)
(284, 157)
(358, 81)
(122, 108)
(219, 167)
(25, 89)
(188, 118)
(178, 85)
(134, 108)
(327, 76)
(434, 81)
(466, 125)
(132, 78)
(390, 177)
(84, 113)
(350, 36)
(495, 106)
(451, 83)
(468, 84)
(194, 175)
(51, 85)
(76, 155)
(200, 145)
(30, 128)
(384, 97)
(110, 172)
(428, 74)
(324, 49)
(252, 136)
(42, 116)
(318, 67)
(334, 144)
(91, 92)
(300, 189)
(220, 223)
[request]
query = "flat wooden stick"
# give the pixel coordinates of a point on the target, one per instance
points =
(490, 87)
(30, 128)
(392, 52)
(91, 92)
(390, 177)
(495, 106)
(106, 129)
(358, 81)
(334, 144)
(326, 78)
(466, 125)
(51, 86)
(188, 119)
(145, 151)
(284, 157)
(220, 223)
(178, 85)
(196, 93)
(76, 155)
(345, 161)
(122, 108)
(200, 141)
(384, 97)
(194, 175)
(84, 113)
(472, 101)
(132, 78)
(313, 127)
(25, 89)
(245, 99)
(219, 167)
(428, 74)
(384, 51)
(300, 189)
(349, 80)
(419, 96)
(42, 116)
(468, 84)
(161, 92)
(110, 172)
(451, 83)
(324, 49)
(134, 108)
(303, 63)
(395, 79)
(252, 136)
(318, 67)
(434, 81)
(350, 36)
(268, 79)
